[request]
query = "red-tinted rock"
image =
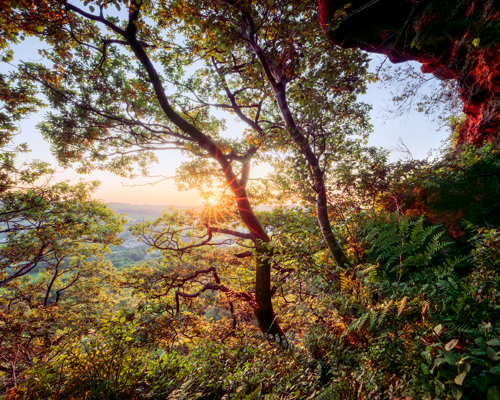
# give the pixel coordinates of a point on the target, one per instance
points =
(452, 40)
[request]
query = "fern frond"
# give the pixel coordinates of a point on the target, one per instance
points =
(386, 308)
(373, 319)
(359, 322)
(402, 305)
(344, 282)
(329, 393)
(252, 396)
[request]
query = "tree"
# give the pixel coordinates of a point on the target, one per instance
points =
(53, 242)
(270, 59)
(52, 267)
(265, 62)
(43, 226)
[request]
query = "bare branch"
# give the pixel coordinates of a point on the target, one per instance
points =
(163, 178)
(231, 232)
(214, 287)
(244, 254)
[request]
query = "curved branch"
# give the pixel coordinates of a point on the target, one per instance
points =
(96, 18)
(214, 287)
(234, 106)
(231, 232)
(58, 293)
(204, 141)
(158, 242)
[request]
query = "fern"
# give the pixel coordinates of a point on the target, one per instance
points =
(183, 392)
(401, 306)
(358, 322)
(462, 329)
(345, 282)
(384, 311)
(374, 318)
(400, 244)
(333, 392)
(330, 393)
(252, 396)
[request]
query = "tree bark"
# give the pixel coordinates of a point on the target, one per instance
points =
(264, 313)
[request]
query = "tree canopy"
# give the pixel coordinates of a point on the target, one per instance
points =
(357, 289)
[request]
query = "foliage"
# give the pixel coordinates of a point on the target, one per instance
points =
(17, 101)
(379, 290)
(468, 372)
(47, 225)
(103, 365)
(450, 190)
(409, 325)
(52, 268)
(111, 363)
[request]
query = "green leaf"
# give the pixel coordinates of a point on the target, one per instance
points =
(91, 8)
(493, 393)
(495, 370)
(475, 42)
(482, 383)
(450, 359)
(491, 353)
(439, 388)
(493, 342)
(439, 361)
(425, 368)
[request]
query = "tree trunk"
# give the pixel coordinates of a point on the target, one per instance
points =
(326, 229)
(279, 88)
(318, 178)
(264, 308)
(267, 320)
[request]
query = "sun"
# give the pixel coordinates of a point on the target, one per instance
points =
(213, 209)
(212, 201)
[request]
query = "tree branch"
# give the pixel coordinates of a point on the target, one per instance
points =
(101, 19)
(231, 232)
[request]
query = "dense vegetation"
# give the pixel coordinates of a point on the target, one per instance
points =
(382, 282)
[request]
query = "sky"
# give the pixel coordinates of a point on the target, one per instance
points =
(418, 133)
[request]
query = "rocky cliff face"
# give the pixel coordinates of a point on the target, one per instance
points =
(452, 39)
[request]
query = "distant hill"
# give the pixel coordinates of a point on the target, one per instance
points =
(139, 212)
(144, 212)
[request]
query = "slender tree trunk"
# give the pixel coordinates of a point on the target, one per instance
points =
(278, 84)
(267, 320)
(326, 229)
(317, 175)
